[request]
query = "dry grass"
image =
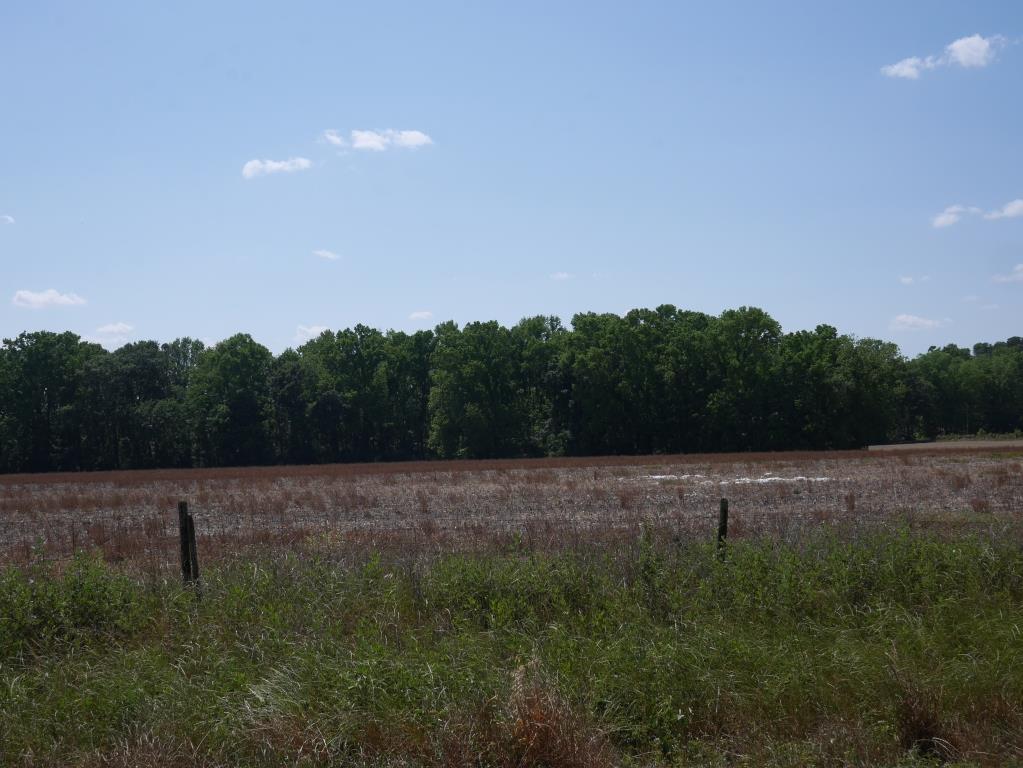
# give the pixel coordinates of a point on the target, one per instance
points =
(475, 506)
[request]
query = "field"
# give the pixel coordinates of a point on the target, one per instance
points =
(549, 613)
(470, 506)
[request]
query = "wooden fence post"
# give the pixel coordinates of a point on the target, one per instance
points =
(186, 545)
(722, 527)
(193, 550)
(189, 552)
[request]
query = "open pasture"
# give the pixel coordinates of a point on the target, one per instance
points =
(520, 613)
(545, 504)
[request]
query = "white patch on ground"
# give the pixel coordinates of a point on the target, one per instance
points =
(776, 479)
(767, 477)
(672, 477)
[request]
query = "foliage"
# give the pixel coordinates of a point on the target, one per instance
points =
(39, 609)
(654, 381)
(882, 650)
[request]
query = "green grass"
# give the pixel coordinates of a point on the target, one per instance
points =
(893, 650)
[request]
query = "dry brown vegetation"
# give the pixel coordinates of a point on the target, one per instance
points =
(539, 504)
(524, 614)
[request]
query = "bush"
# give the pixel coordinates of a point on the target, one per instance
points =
(40, 607)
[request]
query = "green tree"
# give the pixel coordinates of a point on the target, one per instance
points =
(118, 395)
(684, 366)
(408, 358)
(817, 384)
(43, 422)
(351, 385)
(230, 404)
(291, 382)
(744, 406)
(476, 407)
(541, 385)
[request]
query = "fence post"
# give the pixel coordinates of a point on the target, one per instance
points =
(186, 546)
(189, 552)
(193, 550)
(722, 527)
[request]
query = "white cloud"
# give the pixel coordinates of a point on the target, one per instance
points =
(948, 217)
(970, 52)
(333, 137)
(323, 253)
(973, 51)
(422, 314)
(952, 215)
(304, 333)
(378, 141)
(910, 280)
(410, 139)
(48, 298)
(371, 140)
(910, 68)
(255, 168)
(561, 276)
(115, 329)
(1016, 276)
(7, 219)
(1010, 210)
(914, 323)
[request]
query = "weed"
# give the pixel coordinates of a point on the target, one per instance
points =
(980, 505)
(651, 653)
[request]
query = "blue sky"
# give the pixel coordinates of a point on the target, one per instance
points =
(498, 160)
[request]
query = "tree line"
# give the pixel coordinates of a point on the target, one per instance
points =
(653, 381)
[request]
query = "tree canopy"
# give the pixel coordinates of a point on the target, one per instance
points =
(652, 381)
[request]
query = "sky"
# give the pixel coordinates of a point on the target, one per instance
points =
(202, 169)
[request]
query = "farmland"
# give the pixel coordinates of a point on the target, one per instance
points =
(554, 612)
(548, 503)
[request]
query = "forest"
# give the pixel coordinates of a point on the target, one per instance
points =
(652, 381)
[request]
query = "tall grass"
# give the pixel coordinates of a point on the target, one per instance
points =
(894, 648)
(133, 521)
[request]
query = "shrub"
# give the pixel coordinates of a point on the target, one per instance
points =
(39, 607)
